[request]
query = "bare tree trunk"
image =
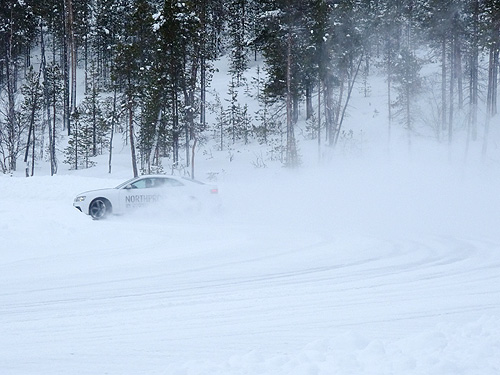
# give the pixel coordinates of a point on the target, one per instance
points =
(113, 117)
(409, 124)
(474, 74)
(94, 116)
(75, 114)
(53, 159)
(295, 108)
(193, 149)
(189, 91)
(175, 127)
(328, 104)
(72, 50)
(186, 140)
(338, 107)
(132, 142)
(459, 72)
(349, 92)
(443, 84)
(33, 154)
(66, 74)
(31, 132)
(389, 86)
(130, 105)
(46, 95)
(11, 113)
(319, 117)
(491, 96)
(491, 102)
(452, 90)
(95, 60)
(291, 149)
(203, 82)
(494, 82)
(309, 106)
(203, 67)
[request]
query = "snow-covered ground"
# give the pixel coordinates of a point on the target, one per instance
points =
(346, 269)
(363, 263)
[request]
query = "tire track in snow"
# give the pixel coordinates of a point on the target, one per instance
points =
(370, 275)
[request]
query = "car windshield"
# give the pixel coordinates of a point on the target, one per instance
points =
(153, 182)
(123, 184)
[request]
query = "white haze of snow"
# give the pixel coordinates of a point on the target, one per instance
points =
(364, 263)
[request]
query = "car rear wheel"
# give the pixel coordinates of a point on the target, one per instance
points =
(99, 208)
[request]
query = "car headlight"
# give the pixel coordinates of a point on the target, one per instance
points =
(80, 198)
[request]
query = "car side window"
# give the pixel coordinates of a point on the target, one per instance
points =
(156, 182)
(168, 182)
(147, 183)
(141, 184)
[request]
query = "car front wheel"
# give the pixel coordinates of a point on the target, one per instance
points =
(99, 208)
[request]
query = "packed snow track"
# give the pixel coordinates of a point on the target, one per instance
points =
(253, 289)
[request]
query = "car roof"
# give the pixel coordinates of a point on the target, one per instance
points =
(179, 178)
(159, 176)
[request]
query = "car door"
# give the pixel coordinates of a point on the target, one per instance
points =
(140, 193)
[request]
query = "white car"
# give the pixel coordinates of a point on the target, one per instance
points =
(142, 191)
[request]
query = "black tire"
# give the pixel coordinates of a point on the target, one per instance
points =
(99, 208)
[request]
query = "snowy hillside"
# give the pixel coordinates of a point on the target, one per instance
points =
(363, 262)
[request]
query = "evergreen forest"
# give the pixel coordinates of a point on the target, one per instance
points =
(76, 74)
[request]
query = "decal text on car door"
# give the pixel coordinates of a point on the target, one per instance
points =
(138, 200)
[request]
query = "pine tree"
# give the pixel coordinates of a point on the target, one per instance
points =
(284, 44)
(233, 111)
(441, 19)
(131, 63)
(80, 148)
(91, 113)
(180, 48)
(237, 29)
(472, 46)
(347, 40)
(31, 114)
(390, 28)
(491, 22)
(17, 31)
(408, 85)
(53, 92)
(266, 125)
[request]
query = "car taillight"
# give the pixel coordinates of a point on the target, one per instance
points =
(214, 191)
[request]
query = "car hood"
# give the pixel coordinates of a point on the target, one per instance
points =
(88, 192)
